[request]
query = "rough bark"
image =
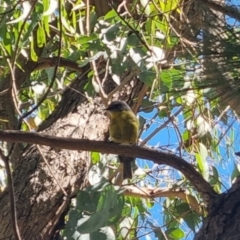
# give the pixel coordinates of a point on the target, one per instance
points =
(41, 203)
(223, 221)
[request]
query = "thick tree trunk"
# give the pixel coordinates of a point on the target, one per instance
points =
(223, 221)
(42, 195)
(39, 198)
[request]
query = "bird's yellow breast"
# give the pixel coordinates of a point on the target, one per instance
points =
(124, 127)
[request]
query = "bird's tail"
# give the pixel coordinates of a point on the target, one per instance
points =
(127, 166)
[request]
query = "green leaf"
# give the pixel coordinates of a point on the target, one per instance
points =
(108, 211)
(105, 233)
(8, 40)
(46, 25)
(172, 41)
(110, 203)
(202, 163)
(112, 32)
(215, 180)
(111, 14)
(89, 89)
(168, 6)
(149, 25)
(119, 65)
(45, 20)
(91, 223)
(235, 172)
(192, 220)
(87, 201)
(147, 106)
(70, 228)
(185, 135)
(133, 40)
(87, 39)
(30, 27)
(101, 205)
(34, 56)
(182, 208)
(163, 113)
(95, 156)
(147, 76)
(175, 233)
(172, 78)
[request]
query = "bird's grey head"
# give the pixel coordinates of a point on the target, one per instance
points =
(118, 106)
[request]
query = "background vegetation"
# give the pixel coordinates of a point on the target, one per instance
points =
(175, 62)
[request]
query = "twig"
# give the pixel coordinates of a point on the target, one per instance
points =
(133, 73)
(13, 211)
(163, 192)
(97, 81)
(140, 97)
(151, 135)
(222, 8)
(49, 62)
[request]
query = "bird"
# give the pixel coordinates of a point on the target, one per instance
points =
(123, 129)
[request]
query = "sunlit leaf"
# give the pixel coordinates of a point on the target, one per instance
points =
(95, 156)
(34, 56)
(175, 233)
(235, 172)
(26, 6)
(50, 8)
(110, 14)
(41, 38)
(202, 163)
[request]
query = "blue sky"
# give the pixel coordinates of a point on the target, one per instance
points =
(167, 138)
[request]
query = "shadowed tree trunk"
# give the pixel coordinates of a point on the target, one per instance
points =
(43, 195)
(223, 221)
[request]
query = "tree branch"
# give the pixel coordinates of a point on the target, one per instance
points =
(202, 186)
(232, 12)
(44, 63)
(13, 211)
(164, 192)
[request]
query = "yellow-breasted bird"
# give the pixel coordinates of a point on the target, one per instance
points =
(123, 128)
